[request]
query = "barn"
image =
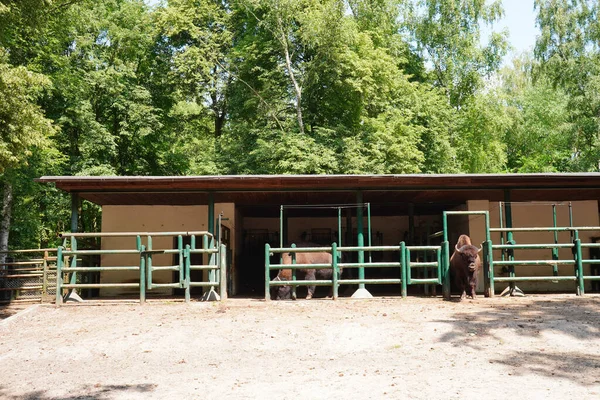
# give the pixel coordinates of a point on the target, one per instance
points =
(379, 210)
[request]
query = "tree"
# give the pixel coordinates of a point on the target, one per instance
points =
(22, 128)
(109, 122)
(22, 122)
(538, 135)
(481, 147)
(198, 34)
(357, 103)
(568, 50)
(88, 74)
(448, 33)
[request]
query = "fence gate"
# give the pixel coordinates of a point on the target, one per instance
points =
(28, 276)
(71, 262)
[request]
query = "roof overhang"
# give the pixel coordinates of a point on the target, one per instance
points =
(312, 189)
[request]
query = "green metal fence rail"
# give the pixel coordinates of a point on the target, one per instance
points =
(404, 266)
(441, 265)
(294, 266)
(577, 262)
(69, 262)
(28, 275)
(361, 265)
(216, 265)
(437, 250)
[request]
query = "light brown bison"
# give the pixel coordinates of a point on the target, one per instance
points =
(322, 257)
(464, 266)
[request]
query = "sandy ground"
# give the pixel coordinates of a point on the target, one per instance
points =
(536, 347)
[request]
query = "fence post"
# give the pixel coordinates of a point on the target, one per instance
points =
(579, 263)
(188, 264)
(149, 263)
(446, 269)
(438, 253)
(214, 260)
(294, 287)
(408, 267)
(181, 260)
(59, 277)
(73, 279)
(142, 274)
(267, 272)
(403, 269)
(44, 277)
(188, 272)
(223, 273)
(555, 249)
(335, 269)
(491, 291)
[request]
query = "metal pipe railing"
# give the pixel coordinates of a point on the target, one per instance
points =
(404, 265)
(25, 276)
(146, 267)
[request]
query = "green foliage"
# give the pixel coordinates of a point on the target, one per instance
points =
(569, 54)
(388, 145)
(22, 122)
(481, 146)
(539, 137)
(193, 150)
(40, 212)
(292, 153)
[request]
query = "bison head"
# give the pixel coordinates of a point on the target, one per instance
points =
(469, 255)
(282, 292)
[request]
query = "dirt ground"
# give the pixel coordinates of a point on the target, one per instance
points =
(535, 347)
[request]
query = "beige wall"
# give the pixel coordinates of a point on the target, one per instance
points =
(151, 219)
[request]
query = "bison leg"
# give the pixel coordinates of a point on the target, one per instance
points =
(463, 294)
(310, 276)
(472, 286)
(472, 291)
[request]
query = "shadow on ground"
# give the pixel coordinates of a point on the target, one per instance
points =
(577, 317)
(96, 392)
(581, 368)
(10, 309)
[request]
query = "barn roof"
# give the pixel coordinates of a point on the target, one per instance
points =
(256, 190)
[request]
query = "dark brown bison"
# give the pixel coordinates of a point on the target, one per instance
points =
(464, 266)
(284, 292)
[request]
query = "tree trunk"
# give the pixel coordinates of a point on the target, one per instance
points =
(218, 108)
(219, 120)
(5, 223)
(288, 64)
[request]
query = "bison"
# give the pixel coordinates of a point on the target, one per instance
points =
(322, 257)
(465, 265)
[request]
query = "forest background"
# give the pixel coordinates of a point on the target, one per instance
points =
(194, 87)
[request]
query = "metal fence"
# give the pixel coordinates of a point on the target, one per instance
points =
(403, 267)
(28, 275)
(439, 265)
(577, 262)
(71, 263)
